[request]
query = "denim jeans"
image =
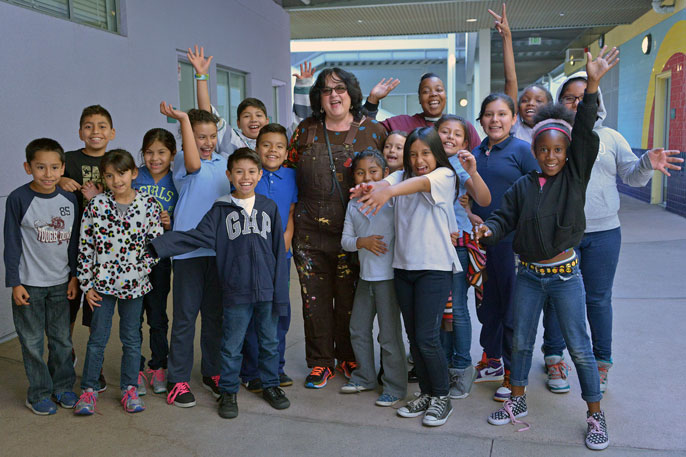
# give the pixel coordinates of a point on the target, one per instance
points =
(249, 367)
(236, 320)
(598, 257)
(129, 334)
(155, 310)
(458, 343)
(422, 295)
(495, 312)
(565, 293)
(47, 313)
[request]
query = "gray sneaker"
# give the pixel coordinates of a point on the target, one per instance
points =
(416, 407)
(438, 412)
(461, 381)
(158, 380)
(130, 400)
(141, 384)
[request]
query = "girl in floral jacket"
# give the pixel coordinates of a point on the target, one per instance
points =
(113, 266)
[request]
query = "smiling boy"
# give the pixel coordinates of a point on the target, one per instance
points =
(245, 230)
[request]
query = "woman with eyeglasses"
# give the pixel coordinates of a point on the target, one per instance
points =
(599, 248)
(322, 150)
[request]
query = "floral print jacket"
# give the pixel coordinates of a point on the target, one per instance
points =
(112, 256)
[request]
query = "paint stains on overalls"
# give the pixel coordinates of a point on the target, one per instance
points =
(328, 275)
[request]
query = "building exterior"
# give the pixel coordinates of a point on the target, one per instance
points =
(52, 67)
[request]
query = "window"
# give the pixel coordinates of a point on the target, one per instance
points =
(277, 92)
(103, 14)
(402, 104)
(187, 87)
(230, 93)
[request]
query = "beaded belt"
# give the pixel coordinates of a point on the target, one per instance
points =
(552, 269)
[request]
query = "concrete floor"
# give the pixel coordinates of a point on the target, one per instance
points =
(644, 408)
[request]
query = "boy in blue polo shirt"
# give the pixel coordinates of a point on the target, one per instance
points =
(278, 184)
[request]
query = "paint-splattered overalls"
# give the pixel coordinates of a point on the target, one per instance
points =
(328, 275)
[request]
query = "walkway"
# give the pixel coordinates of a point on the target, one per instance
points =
(644, 405)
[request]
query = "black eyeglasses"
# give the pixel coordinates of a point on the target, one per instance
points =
(570, 99)
(339, 90)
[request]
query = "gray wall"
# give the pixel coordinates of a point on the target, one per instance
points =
(52, 68)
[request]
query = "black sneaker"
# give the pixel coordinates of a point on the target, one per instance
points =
(412, 375)
(103, 383)
(318, 377)
(254, 386)
(228, 406)
(211, 383)
(416, 407)
(596, 435)
(276, 398)
(438, 412)
(285, 380)
(180, 395)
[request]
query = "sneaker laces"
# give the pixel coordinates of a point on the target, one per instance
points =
(156, 375)
(317, 371)
(178, 389)
(142, 375)
(594, 424)
(602, 372)
(89, 397)
(436, 407)
(131, 393)
(556, 371)
(508, 409)
(483, 363)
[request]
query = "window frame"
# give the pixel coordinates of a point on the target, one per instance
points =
(70, 15)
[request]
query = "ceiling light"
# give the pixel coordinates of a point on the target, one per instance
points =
(359, 21)
(463, 102)
(472, 19)
(647, 44)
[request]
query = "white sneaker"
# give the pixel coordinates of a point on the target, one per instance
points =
(558, 371)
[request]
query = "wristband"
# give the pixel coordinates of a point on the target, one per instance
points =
(199, 77)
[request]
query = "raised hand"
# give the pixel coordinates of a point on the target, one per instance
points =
(382, 89)
(373, 244)
(597, 68)
(662, 160)
(306, 70)
(467, 161)
(501, 24)
(198, 60)
(169, 111)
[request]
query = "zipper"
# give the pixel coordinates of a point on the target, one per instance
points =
(536, 218)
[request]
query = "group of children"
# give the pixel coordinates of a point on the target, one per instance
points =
(223, 208)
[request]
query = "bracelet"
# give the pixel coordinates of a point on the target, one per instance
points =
(199, 77)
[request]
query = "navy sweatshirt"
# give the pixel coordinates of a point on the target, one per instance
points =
(251, 255)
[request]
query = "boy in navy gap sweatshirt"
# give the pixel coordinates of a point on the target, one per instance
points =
(245, 230)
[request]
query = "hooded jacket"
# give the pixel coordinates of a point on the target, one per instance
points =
(615, 157)
(549, 219)
(251, 255)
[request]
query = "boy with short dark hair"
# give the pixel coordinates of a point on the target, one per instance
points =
(82, 177)
(245, 230)
(278, 184)
(41, 241)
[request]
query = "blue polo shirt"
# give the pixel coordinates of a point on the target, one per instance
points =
(163, 190)
(506, 162)
(197, 193)
(463, 223)
(280, 186)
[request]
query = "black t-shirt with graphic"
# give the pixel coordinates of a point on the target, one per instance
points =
(82, 168)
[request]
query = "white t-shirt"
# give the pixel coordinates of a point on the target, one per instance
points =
(423, 223)
(246, 203)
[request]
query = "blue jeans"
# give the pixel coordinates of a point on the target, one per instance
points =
(458, 343)
(129, 334)
(155, 309)
(236, 320)
(598, 255)
(422, 295)
(249, 368)
(565, 293)
(47, 313)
